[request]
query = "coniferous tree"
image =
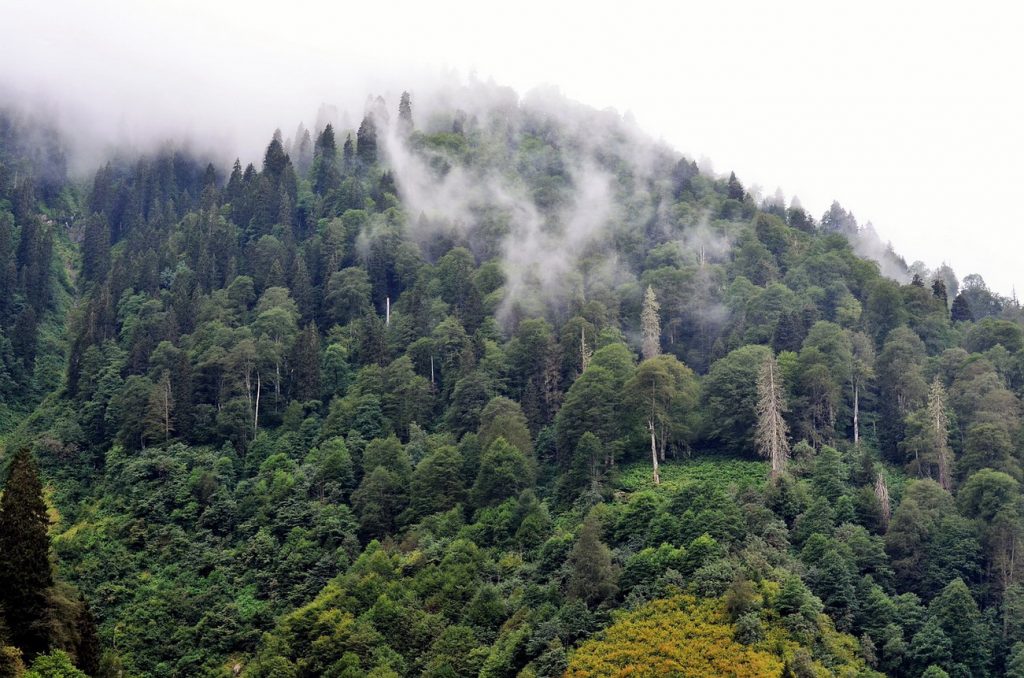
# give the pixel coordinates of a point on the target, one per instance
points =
(87, 649)
(650, 325)
(735, 188)
(306, 364)
(366, 140)
(348, 152)
(772, 442)
(303, 150)
(25, 573)
(95, 249)
(8, 269)
(961, 310)
(325, 162)
(939, 291)
(405, 114)
(275, 159)
(23, 336)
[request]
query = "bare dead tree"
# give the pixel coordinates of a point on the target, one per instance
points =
(882, 494)
(938, 422)
(650, 325)
(770, 436)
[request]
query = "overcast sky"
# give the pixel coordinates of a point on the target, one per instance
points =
(908, 113)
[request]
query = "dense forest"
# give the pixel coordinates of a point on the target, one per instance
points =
(491, 386)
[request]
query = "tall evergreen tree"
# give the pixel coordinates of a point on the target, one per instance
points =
(8, 268)
(366, 140)
(87, 649)
(306, 364)
(961, 310)
(95, 249)
(25, 573)
(325, 162)
(734, 187)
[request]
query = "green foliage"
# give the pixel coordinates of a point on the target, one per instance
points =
(25, 573)
(54, 665)
(294, 424)
(715, 471)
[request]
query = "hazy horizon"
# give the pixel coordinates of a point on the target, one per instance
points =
(905, 118)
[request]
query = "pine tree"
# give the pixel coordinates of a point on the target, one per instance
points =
(25, 574)
(650, 325)
(938, 425)
(770, 435)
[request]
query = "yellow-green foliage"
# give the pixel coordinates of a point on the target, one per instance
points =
(685, 637)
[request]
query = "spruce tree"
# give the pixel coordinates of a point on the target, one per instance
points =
(25, 574)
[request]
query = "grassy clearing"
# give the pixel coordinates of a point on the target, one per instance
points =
(718, 471)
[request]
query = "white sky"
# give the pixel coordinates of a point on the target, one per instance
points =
(908, 113)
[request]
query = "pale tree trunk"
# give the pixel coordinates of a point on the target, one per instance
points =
(256, 413)
(661, 445)
(882, 494)
(770, 435)
(167, 408)
(277, 382)
(654, 454)
(856, 412)
(939, 421)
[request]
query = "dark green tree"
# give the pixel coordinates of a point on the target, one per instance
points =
(961, 310)
(504, 472)
(25, 572)
(592, 575)
(405, 113)
(366, 140)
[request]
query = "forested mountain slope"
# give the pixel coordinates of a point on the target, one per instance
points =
(497, 387)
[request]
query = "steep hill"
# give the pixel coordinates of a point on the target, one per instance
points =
(498, 386)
